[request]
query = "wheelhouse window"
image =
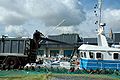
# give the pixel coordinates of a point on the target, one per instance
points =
(98, 55)
(115, 56)
(81, 54)
(85, 54)
(91, 54)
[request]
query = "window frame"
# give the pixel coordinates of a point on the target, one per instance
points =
(115, 57)
(91, 54)
(99, 55)
(85, 56)
(81, 54)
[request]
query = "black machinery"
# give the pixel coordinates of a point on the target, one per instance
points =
(16, 60)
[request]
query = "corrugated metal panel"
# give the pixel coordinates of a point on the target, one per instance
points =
(116, 37)
(21, 46)
(58, 46)
(69, 38)
(12, 45)
(7, 46)
(90, 40)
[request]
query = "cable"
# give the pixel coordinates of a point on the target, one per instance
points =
(49, 31)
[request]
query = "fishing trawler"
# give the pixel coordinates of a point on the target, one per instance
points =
(101, 56)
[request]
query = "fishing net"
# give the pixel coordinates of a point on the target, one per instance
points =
(44, 70)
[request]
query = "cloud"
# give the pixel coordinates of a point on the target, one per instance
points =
(22, 18)
(17, 31)
(112, 18)
(50, 12)
(64, 29)
(88, 27)
(2, 30)
(109, 16)
(26, 29)
(17, 15)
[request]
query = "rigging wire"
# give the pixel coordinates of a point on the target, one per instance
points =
(49, 31)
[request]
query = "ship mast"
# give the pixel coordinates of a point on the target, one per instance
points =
(100, 24)
(100, 12)
(102, 41)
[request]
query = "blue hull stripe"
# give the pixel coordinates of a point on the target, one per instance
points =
(99, 64)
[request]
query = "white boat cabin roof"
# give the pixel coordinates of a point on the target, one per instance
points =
(86, 47)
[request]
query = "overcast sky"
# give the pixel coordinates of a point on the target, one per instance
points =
(23, 17)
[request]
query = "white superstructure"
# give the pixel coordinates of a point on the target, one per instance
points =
(100, 56)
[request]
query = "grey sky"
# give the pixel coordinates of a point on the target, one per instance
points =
(23, 17)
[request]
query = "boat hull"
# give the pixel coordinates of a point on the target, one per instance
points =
(99, 64)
